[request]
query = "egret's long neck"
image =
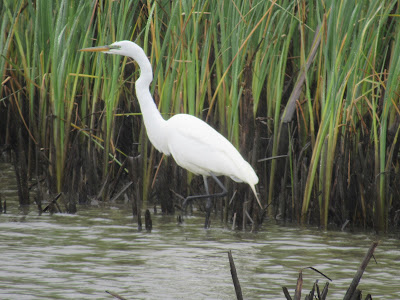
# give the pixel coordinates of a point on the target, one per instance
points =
(154, 122)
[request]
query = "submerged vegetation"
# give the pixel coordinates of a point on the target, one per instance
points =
(314, 85)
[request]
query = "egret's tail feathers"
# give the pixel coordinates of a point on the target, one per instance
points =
(253, 187)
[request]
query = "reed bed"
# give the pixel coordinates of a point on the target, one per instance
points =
(315, 83)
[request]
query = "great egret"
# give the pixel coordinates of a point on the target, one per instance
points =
(194, 144)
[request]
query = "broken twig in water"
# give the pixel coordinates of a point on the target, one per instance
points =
(147, 220)
(235, 278)
(360, 272)
(299, 286)
(116, 295)
(54, 201)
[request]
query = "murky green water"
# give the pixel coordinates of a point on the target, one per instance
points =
(81, 256)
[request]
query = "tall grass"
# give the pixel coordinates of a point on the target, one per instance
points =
(354, 51)
(314, 81)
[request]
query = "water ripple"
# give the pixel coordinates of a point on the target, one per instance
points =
(80, 256)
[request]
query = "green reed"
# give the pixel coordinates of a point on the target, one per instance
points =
(317, 81)
(350, 71)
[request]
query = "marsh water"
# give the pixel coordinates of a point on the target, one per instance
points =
(99, 249)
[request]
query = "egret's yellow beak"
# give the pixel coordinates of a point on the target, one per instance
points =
(96, 49)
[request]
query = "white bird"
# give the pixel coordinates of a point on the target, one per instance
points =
(194, 145)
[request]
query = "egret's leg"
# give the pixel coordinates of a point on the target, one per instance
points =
(216, 195)
(208, 196)
(208, 204)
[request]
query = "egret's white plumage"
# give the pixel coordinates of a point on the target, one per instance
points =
(194, 144)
